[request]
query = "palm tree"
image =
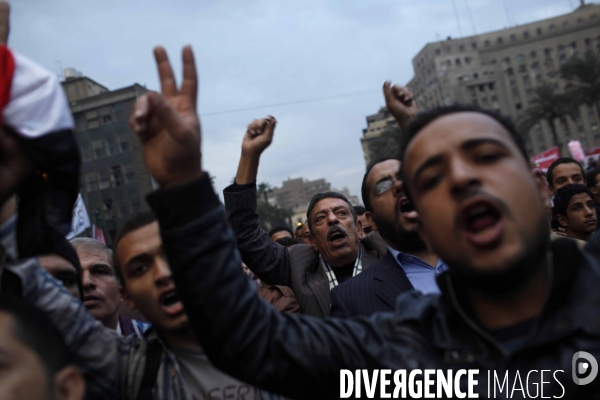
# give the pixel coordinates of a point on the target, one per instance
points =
(548, 105)
(263, 189)
(583, 79)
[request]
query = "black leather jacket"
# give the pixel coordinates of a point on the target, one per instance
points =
(301, 356)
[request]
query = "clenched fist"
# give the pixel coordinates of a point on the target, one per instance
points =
(259, 136)
(400, 103)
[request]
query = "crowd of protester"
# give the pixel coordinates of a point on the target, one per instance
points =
(464, 256)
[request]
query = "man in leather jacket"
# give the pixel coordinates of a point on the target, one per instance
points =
(509, 303)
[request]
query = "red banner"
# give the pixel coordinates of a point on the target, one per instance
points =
(543, 160)
(98, 234)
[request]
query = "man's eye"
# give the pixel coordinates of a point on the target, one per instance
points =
(68, 282)
(320, 218)
(489, 157)
(430, 182)
(577, 179)
(342, 213)
(140, 269)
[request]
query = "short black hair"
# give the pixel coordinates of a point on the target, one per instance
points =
(33, 328)
(287, 241)
(426, 117)
(563, 197)
(591, 178)
(562, 160)
(364, 189)
(360, 210)
(134, 223)
(326, 195)
(281, 228)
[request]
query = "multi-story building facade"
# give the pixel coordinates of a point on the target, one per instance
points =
(114, 180)
(295, 194)
(499, 70)
(371, 139)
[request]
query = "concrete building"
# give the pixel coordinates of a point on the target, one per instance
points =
(114, 179)
(499, 70)
(371, 140)
(295, 194)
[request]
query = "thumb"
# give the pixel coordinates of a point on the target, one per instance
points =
(387, 92)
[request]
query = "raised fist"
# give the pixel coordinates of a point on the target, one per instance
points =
(259, 136)
(400, 103)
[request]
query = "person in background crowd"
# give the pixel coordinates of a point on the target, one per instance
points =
(288, 242)
(335, 253)
(575, 212)
(305, 233)
(101, 287)
(481, 209)
(562, 172)
(280, 232)
(594, 185)
(298, 234)
(63, 270)
(34, 357)
(365, 220)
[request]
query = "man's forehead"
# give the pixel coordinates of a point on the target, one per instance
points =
(329, 203)
(93, 254)
(139, 240)
(580, 197)
(383, 169)
(448, 132)
(566, 169)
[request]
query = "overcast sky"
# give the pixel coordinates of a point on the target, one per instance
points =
(257, 53)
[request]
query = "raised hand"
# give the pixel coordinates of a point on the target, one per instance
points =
(4, 22)
(168, 124)
(259, 136)
(400, 103)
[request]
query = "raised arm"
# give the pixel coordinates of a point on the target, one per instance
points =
(400, 103)
(268, 260)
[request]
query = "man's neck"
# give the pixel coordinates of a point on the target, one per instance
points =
(578, 235)
(495, 312)
(183, 338)
(113, 322)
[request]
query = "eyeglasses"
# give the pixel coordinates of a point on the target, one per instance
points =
(383, 186)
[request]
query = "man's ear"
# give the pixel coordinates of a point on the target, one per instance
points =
(544, 189)
(126, 298)
(69, 384)
(562, 220)
(359, 225)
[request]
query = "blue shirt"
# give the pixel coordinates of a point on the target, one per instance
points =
(420, 274)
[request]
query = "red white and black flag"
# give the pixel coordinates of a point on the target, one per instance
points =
(34, 107)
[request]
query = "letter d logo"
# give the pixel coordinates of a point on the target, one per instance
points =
(583, 367)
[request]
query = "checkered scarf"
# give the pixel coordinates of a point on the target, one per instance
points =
(331, 275)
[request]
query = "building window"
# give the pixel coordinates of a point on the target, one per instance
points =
(467, 60)
(129, 174)
(104, 183)
(565, 24)
(513, 37)
(538, 31)
(98, 153)
(486, 43)
(437, 52)
(509, 72)
(533, 54)
(124, 146)
(552, 28)
(474, 45)
(526, 34)
(579, 21)
(491, 86)
(115, 175)
(522, 68)
(461, 47)
(573, 45)
(457, 61)
(499, 40)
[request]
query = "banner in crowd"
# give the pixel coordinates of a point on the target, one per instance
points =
(98, 234)
(80, 221)
(544, 159)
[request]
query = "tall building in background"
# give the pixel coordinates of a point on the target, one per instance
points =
(295, 194)
(499, 70)
(114, 179)
(372, 140)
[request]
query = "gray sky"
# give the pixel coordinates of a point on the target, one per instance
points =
(254, 53)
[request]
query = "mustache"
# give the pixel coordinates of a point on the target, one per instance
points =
(334, 228)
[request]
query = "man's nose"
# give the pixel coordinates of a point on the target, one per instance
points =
(463, 176)
(87, 281)
(332, 218)
(162, 271)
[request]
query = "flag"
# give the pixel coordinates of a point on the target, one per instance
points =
(80, 221)
(98, 234)
(543, 160)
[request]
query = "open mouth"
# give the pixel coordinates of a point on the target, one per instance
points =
(482, 222)
(407, 209)
(336, 236)
(171, 303)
